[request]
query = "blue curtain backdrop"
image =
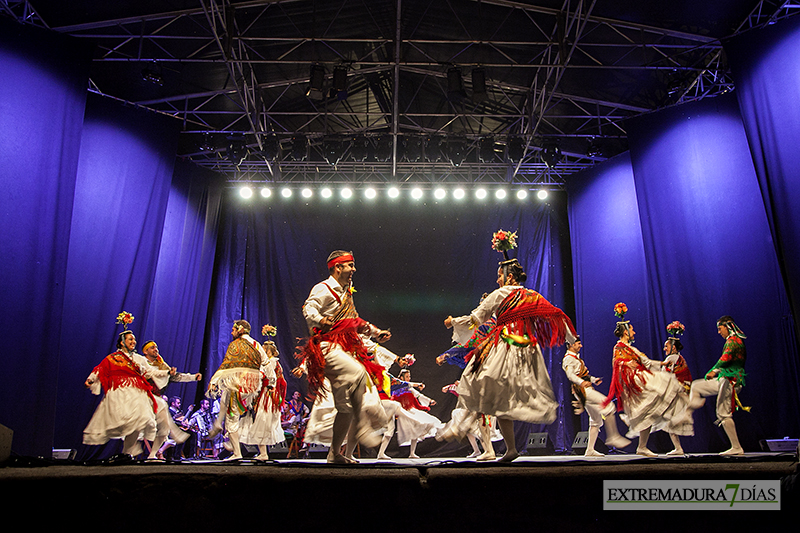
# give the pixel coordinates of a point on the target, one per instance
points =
(416, 264)
(43, 88)
(766, 70)
(705, 251)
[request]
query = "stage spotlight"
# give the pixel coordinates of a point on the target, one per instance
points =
(316, 82)
(479, 85)
(515, 149)
(457, 151)
(307, 193)
(459, 193)
(593, 150)
(541, 194)
(455, 85)
(435, 148)
(299, 150)
(246, 192)
(286, 192)
(333, 149)
(412, 147)
(326, 193)
(207, 144)
(270, 148)
(416, 193)
(152, 73)
(346, 193)
(266, 192)
(339, 85)
(486, 150)
(393, 192)
(384, 144)
(359, 148)
(370, 193)
(480, 194)
(439, 194)
(237, 150)
(522, 194)
(500, 194)
(551, 154)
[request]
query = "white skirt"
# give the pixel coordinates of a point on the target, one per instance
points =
(661, 405)
(511, 383)
(265, 427)
(122, 411)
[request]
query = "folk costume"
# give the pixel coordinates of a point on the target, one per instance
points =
(262, 424)
(592, 401)
(725, 380)
(337, 364)
(128, 408)
(237, 384)
(675, 363)
(414, 422)
(651, 399)
(506, 376)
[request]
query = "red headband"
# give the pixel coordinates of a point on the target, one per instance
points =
(340, 259)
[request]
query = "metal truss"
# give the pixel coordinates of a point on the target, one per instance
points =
(237, 75)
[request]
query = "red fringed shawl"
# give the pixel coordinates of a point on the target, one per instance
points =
(627, 368)
(345, 334)
(525, 312)
(408, 401)
(117, 370)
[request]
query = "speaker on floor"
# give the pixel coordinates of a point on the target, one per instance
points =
(540, 444)
(582, 441)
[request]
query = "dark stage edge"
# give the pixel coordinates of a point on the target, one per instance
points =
(557, 493)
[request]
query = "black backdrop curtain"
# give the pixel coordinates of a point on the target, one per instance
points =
(703, 250)
(415, 265)
(43, 88)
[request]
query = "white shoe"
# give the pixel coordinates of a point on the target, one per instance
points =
(618, 442)
(645, 452)
(473, 455)
(384, 457)
(413, 456)
(676, 451)
(488, 455)
(593, 453)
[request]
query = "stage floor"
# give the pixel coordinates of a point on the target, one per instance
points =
(557, 493)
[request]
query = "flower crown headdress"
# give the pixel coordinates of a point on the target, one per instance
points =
(675, 330)
(503, 241)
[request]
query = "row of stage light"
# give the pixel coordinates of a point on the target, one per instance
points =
(371, 193)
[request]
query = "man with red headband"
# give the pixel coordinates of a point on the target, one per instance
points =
(335, 351)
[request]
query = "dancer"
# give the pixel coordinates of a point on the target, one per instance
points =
(163, 375)
(650, 398)
(262, 424)
(591, 400)
(128, 408)
(238, 382)
(417, 424)
(336, 352)
(482, 427)
(675, 363)
(725, 380)
(506, 377)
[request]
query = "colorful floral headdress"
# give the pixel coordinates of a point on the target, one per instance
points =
(675, 329)
(620, 309)
(124, 318)
(407, 360)
(503, 241)
(268, 330)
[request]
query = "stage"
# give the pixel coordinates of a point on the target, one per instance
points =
(549, 493)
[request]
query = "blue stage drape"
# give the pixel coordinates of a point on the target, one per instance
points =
(766, 70)
(43, 88)
(705, 252)
(415, 266)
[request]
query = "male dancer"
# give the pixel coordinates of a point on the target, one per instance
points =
(591, 400)
(725, 380)
(335, 351)
(238, 381)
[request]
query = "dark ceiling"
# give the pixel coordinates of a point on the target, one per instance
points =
(560, 78)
